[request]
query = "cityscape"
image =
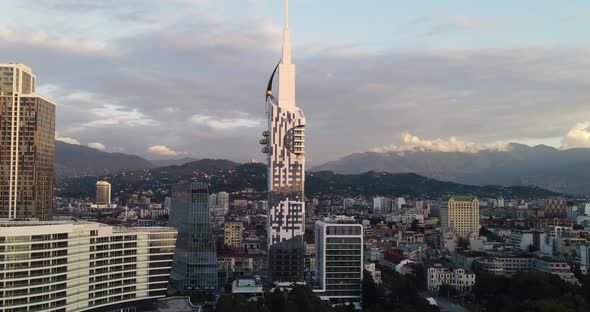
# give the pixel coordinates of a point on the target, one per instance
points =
(418, 225)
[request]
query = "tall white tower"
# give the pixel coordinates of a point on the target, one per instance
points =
(286, 172)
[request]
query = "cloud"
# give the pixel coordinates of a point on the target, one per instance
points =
(42, 40)
(225, 123)
(451, 144)
(67, 140)
(444, 24)
(98, 146)
(162, 150)
(577, 136)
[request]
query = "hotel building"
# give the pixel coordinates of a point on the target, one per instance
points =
(82, 266)
(284, 143)
(460, 215)
(339, 261)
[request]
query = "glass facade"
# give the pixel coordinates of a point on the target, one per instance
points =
(195, 261)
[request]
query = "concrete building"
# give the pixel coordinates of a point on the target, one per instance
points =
(82, 266)
(103, 193)
(284, 145)
(233, 233)
(382, 205)
(527, 240)
(510, 265)
(458, 279)
(27, 146)
(195, 261)
(460, 214)
(555, 208)
(339, 261)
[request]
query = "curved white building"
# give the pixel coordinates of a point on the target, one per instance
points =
(81, 266)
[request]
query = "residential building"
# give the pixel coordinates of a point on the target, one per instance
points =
(382, 205)
(195, 261)
(458, 279)
(27, 146)
(82, 266)
(531, 240)
(103, 193)
(555, 208)
(284, 145)
(460, 214)
(233, 233)
(339, 260)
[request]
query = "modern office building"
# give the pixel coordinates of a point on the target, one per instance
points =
(82, 266)
(103, 193)
(195, 261)
(27, 146)
(284, 144)
(460, 214)
(339, 260)
(233, 233)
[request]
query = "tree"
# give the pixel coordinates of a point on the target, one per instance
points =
(370, 290)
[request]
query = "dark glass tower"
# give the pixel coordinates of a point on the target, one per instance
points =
(195, 262)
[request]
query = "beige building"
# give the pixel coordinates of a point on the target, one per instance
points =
(27, 146)
(460, 214)
(233, 233)
(103, 193)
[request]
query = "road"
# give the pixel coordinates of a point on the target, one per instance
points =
(447, 305)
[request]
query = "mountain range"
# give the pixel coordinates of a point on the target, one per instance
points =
(563, 171)
(73, 160)
(224, 175)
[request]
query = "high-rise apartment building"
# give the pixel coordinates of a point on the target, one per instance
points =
(82, 266)
(286, 160)
(27, 147)
(103, 193)
(382, 205)
(460, 214)
(195, 261)
(339, 260)
(233, 233)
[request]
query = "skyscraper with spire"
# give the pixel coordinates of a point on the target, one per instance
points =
(284, 144)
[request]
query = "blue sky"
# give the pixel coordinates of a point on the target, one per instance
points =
(183, 77)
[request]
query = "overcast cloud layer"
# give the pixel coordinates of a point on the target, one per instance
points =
(162, 83)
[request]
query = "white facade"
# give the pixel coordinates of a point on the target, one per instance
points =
(339, 260)
(79, 266)
(457, 279)
(285, 146)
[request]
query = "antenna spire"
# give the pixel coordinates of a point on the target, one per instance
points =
(286, 37)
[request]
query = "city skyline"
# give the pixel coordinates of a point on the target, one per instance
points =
(472, 66)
